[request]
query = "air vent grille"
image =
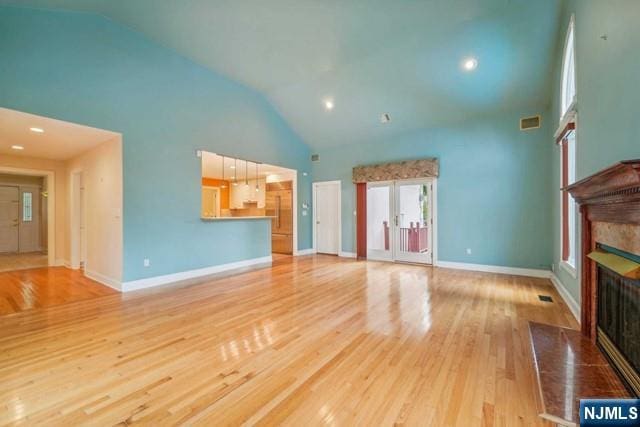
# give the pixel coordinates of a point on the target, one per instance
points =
(528, 123)
(315, 157)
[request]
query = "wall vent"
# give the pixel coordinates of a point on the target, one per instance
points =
(315, 157)
(528, 123)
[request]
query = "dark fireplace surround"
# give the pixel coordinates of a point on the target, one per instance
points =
(610, 297)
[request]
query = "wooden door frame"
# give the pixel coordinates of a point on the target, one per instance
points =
(51, 206)
(314, 188)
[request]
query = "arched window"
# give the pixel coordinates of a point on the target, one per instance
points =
(568, 95)
(566, 139)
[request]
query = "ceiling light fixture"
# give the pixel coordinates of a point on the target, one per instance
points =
(37, 130)
(17, 147)
(328, 104)
(470, 64)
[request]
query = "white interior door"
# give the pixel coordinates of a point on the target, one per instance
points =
(413, 221)
(380, 208)
(327, 217)
(9, 218)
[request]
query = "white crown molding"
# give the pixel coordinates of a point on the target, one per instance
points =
(529, 272)
(167, 279)
(573, 305)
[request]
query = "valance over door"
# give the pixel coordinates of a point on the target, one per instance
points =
(408, 169)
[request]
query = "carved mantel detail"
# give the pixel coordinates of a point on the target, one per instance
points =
(610, 208)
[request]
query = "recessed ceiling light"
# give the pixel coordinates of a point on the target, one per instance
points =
(470, 64)
(17, 147)
(328, 104)
(37, 130)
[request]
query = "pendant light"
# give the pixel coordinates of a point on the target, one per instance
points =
(224, 185)
(257, 186)
(235, 172)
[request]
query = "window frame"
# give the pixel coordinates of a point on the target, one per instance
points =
(568, 127)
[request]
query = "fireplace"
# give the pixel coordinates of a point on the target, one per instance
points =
(610, 283)
(618, 318)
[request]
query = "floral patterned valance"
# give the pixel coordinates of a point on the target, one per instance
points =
(409, 169)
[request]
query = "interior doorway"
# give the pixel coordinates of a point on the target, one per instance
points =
(400, 220)
(26, 238)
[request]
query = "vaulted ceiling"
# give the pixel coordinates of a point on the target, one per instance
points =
(368, 57)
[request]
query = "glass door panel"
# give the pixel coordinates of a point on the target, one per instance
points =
(379, 225)
(413, 221)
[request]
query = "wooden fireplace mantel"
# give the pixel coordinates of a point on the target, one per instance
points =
(609, 196)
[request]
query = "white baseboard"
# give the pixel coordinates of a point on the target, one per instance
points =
(573, 305)
(62, 263)
(529, 272)
(347, 254)
(166, 279)
(303, 252)
(105, 280)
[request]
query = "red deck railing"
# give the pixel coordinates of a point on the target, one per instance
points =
(412, 239)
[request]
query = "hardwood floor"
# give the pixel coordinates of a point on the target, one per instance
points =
(45, 287)
(316, 340)
(11, 262)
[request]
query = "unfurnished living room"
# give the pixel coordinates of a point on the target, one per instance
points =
(418, 212)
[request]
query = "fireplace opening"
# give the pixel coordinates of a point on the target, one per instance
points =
(618, 312)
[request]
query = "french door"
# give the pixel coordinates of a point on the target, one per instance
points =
(400, 221)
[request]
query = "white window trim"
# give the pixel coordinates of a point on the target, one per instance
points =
(569, 115)
(573, 271)
(571, 32)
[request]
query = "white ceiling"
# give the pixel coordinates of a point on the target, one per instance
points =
(212, 168)
(59, 141)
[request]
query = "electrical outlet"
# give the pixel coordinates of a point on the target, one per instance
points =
(468, 251)
(146, 262)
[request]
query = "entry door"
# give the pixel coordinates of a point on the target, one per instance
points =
(9, 218)
(327, 218)
(413, 222)
(380, 227)
(30, 219)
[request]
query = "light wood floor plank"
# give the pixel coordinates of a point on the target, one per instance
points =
(312, 340)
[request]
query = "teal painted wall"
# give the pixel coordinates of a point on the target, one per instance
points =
(493, 189)
(86, 69)
(607, 92)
